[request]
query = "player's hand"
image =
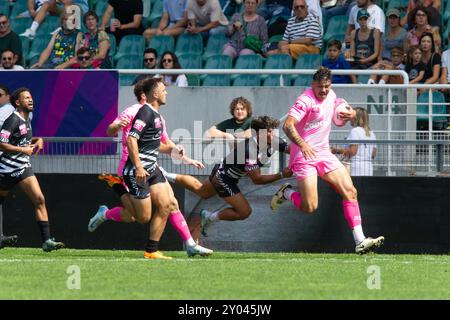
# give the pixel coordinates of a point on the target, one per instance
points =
(141, 175)
(307, 151)
(334, 150)
(349, 115)
(28, 149)
(178, 152)
(287, 173)
(38, 146)
(123, 123)
(195, 163)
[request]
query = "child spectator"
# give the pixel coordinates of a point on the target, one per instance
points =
(336, 61)
(415, 68)
(395, 63)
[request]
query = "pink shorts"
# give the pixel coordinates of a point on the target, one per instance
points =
(324, 163)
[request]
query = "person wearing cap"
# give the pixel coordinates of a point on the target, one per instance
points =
(365, 43)
(395, 35)
(376, 19)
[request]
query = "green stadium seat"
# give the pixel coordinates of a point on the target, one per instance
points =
(190, 61)
(336, 28)
(189, 43)
(215, 45)
(20, 25)
(219, 61)
(100, 8)
(18, 7)
(37, 46)
(398, 4)
(439, 107)
(309, 61)
(113, 45)
(128, 62)
(303, 80)
(251, 61)
(50, 24)
(193, 80)
(156, 11)
(162, 43)
(4, 7)
(277, 61)
(130, 45)
(446, 16)
(25, 46)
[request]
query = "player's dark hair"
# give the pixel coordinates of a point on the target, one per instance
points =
(334, 43)
(264, 122)
(138, 90)
(322, 74)
(149, 85)
(4, 88)
(16, 94)
(241, 100)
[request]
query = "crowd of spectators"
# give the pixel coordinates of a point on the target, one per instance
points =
(374, 39)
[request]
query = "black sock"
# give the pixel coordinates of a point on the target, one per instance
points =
(44, 227)
(152, 246)
(119, 189)
(1, 220)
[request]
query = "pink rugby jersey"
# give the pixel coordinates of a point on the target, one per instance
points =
(314, 120)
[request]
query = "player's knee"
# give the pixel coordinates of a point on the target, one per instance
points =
(310, 208)
(244, 214)
(143, 219)
(39, 200)
(351, 193)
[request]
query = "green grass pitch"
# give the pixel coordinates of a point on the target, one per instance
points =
(33, 274)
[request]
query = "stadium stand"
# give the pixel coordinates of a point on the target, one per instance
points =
(248, 62)
(219, 61)
(130, 45)
(215, 45)
(277, 61)
(162, 43)
(189, 43)
(439, 107)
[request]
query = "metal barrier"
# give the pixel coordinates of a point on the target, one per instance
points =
(97, 155)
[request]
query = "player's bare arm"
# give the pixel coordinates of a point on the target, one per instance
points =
(114, 128)
(9, 148)
(133, 153)
(292, 133)
(258, 178)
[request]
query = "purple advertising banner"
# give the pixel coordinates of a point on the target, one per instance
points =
(75, 103)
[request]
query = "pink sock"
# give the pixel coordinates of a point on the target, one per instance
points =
(296, 199)
(179, 223)
(114, 214)
(351, 213)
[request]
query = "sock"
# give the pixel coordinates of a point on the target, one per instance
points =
(114, 214)
(296, 199)
(119, 189)
(1, 220)
(44, 228)
(214, 216)
(152, 246)
(34, 26)
(179, 223)
(381, 82)
(353, 217)
(288, 192)
(171, 177)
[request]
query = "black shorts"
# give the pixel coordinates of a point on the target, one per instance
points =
(143, 191)
(9, 180)
(224, 185)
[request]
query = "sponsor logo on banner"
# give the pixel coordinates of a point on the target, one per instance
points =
(23, 129)
(158, 123)
(139, 125)
(4, 134)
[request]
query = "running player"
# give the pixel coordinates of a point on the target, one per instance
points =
(123, 122)
(246, 158)
(308, 126)
(16, 146)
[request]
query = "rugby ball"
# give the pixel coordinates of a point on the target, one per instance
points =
(341, 106)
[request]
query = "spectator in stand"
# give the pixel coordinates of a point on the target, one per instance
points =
(39, 9)
(276, 31)
(303, 32)
(83, 60)
(127, 18)
(96, 40)
(415, 68)
(206, 17)
(430, 58)
(9, 39)
(365, 43)
(395, 62)
(395, 36)
(61, 46)
(150, 62)
(173, 21)
(377, 18)
(275, 8)
(170, 61)
(9, 59)
(335, 61)
(242, 24)
(420, 26)
(434, 10)
(445, 72)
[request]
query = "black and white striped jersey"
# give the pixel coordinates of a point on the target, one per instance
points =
(147, 128)
(248, 156)
(15, 131)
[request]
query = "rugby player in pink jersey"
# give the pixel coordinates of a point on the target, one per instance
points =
(123, 122)
(308, 126)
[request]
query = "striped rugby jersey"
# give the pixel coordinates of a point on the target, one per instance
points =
(147, 128)
(15, 131)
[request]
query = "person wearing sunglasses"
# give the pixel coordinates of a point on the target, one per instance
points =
(8, 60)
(82, 60)
(170, 61)
(9, 39)
(150, 62)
